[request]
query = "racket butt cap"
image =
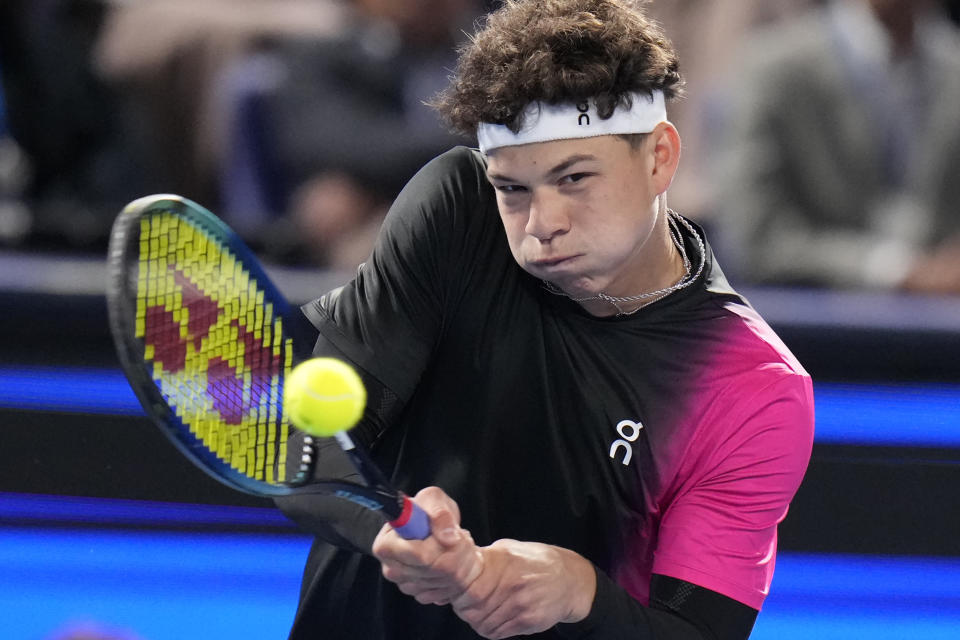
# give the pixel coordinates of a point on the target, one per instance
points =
(413, 522)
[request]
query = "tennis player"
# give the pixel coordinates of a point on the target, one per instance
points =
(605, 433)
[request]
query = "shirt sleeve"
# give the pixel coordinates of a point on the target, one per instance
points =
(720, 529)
(387, 321)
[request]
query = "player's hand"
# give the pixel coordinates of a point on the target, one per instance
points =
(439, 568)
(525, 588)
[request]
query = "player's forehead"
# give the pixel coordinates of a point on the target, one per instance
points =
(545, 158)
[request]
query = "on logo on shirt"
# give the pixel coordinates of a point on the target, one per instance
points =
(629, 431)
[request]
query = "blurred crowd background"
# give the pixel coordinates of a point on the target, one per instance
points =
(821, 138)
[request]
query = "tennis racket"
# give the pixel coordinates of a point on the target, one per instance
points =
(206, 341)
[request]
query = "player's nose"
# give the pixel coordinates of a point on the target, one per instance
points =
(547, 217)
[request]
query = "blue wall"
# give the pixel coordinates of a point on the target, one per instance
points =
(169, 586)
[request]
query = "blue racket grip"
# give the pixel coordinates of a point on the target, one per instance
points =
(413, 522)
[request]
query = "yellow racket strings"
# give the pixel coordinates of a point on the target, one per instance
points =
(217, 351)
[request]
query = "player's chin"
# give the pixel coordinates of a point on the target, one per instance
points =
(575, 285)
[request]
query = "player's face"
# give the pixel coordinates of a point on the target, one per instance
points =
(581, 213)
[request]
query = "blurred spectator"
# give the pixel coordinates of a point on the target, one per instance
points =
(165, 56)
(15, 219)
(702, 31)
(326, 131)
(295, 120)
(953, 9)
(62, 123)
(842, 147)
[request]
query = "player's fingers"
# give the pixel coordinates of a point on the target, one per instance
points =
(443, 512)
(513, 616)
(439, 596)
(487, 618)
(478, 601)
(508, 624)
(457, 569)
(391, 548)
(433, 499)
(429, 590)
(395, 572)
(445, 527)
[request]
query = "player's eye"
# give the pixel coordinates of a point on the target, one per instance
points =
(510, 188)
(574, 177)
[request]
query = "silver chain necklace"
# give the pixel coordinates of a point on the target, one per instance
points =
(652, 296)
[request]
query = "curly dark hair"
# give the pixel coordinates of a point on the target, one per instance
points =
(557, 51)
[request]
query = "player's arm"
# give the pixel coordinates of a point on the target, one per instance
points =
(518, 588)
(678, 610)
(536, 586)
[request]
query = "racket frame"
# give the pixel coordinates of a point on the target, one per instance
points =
(377, 496)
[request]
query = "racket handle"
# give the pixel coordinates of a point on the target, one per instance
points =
(413, 522)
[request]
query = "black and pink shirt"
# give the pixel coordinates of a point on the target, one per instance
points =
(670, 441)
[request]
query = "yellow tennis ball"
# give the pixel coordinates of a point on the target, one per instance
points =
(324, 396)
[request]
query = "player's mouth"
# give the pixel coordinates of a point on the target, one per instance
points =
(553, 263)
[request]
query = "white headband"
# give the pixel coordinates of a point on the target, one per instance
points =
(545, 122)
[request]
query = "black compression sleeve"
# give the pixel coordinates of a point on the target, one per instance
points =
(715, 615)
(678, 610)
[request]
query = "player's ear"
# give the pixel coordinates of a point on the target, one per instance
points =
(665, 145)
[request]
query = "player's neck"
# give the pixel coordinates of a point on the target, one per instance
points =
(665, 268)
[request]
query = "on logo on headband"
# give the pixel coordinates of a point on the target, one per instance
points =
(584, 109)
